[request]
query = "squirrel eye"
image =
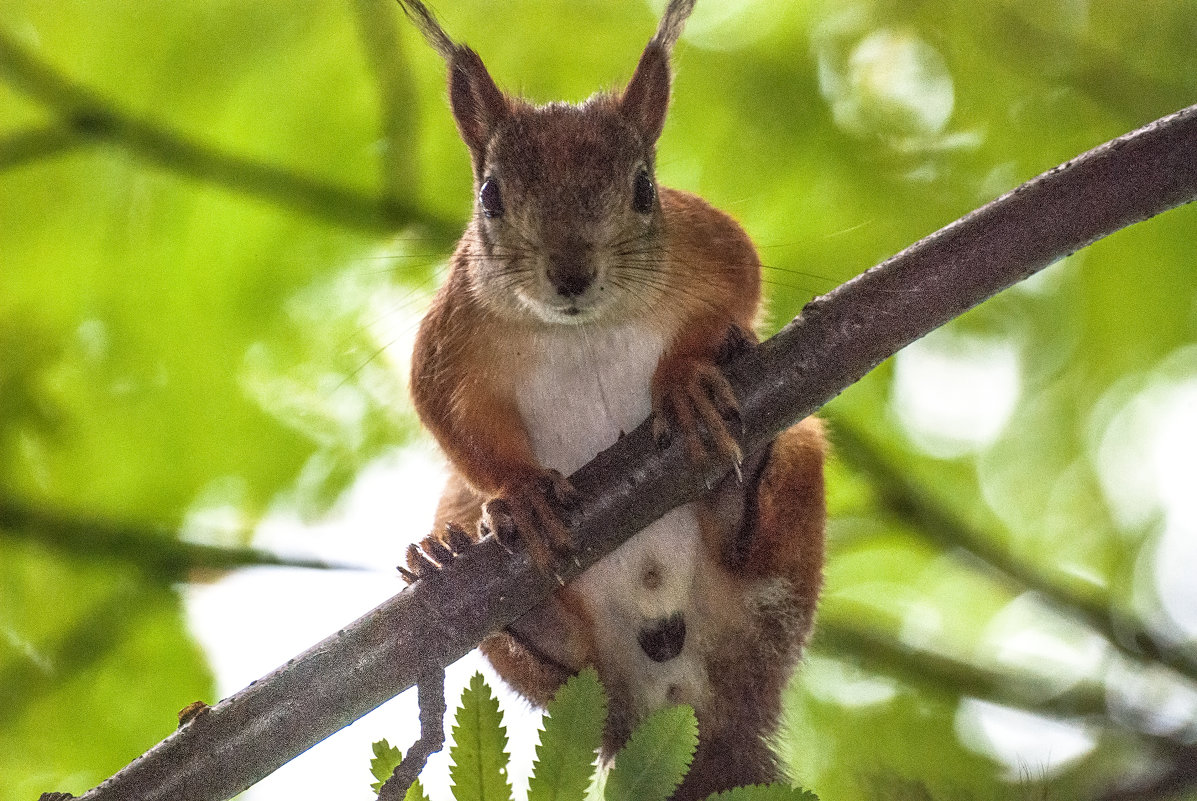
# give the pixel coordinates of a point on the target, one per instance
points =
(490, 199)
(644, 193)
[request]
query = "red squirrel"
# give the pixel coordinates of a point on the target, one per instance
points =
(582, 299)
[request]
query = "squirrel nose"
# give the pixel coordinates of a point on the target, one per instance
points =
(663, 638)
(570, 273)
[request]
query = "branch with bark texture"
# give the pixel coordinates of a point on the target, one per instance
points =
(837, 339)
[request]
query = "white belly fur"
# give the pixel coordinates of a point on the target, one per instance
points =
(585, 388)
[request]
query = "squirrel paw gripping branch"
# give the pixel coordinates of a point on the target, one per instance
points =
(581, 299)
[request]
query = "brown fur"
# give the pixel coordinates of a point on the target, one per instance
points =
(763, 598)
(679, 272)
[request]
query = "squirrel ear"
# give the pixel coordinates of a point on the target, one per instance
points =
(478, 105)
(646, 99)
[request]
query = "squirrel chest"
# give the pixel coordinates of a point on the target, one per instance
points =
(582, 387)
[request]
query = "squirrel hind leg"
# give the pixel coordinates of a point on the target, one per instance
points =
(771, 525)
(792, 509)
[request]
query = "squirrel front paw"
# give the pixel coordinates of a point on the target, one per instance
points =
(529, 509)
(693, 399)
(434, 553)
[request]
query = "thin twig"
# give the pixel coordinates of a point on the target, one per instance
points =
(838, 339)
(88, 115)
(431, 695)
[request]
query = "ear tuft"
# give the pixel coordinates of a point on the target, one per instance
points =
(478, 105)
(646, 99)
(672, 23)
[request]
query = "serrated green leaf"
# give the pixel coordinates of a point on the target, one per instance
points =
(478, 759)
(386, 758)
(416, 792)
(572, 733)
(765, 792)
(382, 766)
(656, 758)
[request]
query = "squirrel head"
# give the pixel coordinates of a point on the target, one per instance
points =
(567, 224)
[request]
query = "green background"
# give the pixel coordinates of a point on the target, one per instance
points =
(215, 217)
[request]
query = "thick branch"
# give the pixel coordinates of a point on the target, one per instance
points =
(838, 339)
(87, 115)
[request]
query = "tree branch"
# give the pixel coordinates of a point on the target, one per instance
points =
(159, 553)
(431, 697)
(1124, 630)
(837, 339)
(31, 144)
(87, 115)
(1176, 772)
(951, 678)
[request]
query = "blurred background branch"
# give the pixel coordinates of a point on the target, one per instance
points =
(43, 141)
(89, 116)
(160, 553)
(904, 498)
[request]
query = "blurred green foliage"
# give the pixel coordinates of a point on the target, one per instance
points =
(217, 219)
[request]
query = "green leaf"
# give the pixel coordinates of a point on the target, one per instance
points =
(478, 761)
(75, 656)
(386, 759)
(765, 792)
(416, 792)
(573, 730)
(656, 758)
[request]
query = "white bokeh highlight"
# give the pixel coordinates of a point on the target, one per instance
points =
(953, 393)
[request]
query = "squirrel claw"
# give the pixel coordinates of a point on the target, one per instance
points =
(525, 511)
(439, 551)
(458, 539)
(563, 491)
(662, 436)
(496, 518)
(736, 342)
(420, 564)
(433, 554)
(701, 405)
